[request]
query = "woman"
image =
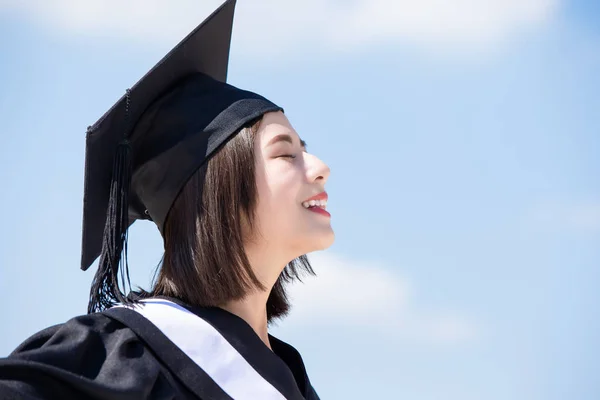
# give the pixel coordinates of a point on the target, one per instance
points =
(238, 201)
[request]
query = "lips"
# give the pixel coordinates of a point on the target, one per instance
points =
(320, 196)
(317, 203)
(320, 210)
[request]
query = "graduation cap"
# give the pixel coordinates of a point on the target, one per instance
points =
(140, 154)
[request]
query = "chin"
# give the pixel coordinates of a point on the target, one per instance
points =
(320, 241)
(310, 240)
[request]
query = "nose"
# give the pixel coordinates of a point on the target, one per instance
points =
(317, 170)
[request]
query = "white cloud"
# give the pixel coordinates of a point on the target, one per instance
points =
(442, 22)
(366, 295)
(269, 27)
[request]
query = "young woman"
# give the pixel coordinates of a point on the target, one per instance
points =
(238, 201)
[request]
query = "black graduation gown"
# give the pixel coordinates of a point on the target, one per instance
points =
(165, 350)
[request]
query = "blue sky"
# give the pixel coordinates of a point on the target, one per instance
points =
(464, 145)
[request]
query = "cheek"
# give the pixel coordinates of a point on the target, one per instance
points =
(280, 182)
(279, 198)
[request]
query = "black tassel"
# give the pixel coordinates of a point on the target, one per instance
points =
(105, 291)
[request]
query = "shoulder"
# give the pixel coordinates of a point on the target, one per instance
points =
(90, 356)
(80, 343)
(85, 330)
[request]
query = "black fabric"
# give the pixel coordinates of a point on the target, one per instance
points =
(293, 360)
(88, 357)
(119, 354)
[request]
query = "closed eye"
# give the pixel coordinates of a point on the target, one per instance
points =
(287, 156)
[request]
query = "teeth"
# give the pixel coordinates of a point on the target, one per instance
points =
(315, 203)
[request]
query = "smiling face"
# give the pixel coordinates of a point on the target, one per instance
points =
(290, 214)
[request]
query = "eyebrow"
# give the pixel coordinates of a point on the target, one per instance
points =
(284, 137)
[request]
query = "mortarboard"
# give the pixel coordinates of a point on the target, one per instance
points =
(140, 154)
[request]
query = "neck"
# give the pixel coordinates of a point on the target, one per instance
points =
(267, 263)
(253, 310)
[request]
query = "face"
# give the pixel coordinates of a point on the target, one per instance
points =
(291, 212)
